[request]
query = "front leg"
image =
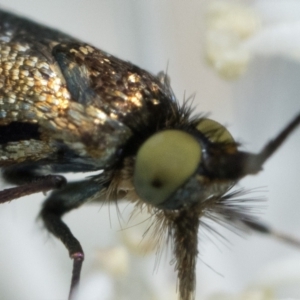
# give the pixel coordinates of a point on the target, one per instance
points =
(29, 181)
(62, 201)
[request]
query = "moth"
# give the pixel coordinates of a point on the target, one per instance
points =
(66, 106)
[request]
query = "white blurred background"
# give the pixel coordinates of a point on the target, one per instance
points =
(154, 34)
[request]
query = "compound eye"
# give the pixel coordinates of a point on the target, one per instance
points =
(164, 163)
(215, 132)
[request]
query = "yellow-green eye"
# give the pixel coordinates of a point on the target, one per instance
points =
(215, 131)
(163, 163)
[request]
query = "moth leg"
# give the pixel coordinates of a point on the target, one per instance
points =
(29, 182)
(267, 230)
(60, 202)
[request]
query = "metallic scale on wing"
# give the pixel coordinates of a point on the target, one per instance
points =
(66, 106)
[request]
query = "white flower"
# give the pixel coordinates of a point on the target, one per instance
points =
(237, 32)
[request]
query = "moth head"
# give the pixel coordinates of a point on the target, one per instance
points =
(170, 165)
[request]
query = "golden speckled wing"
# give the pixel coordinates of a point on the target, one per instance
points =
(84, 103)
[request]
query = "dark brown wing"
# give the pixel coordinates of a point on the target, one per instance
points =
(80, 100)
